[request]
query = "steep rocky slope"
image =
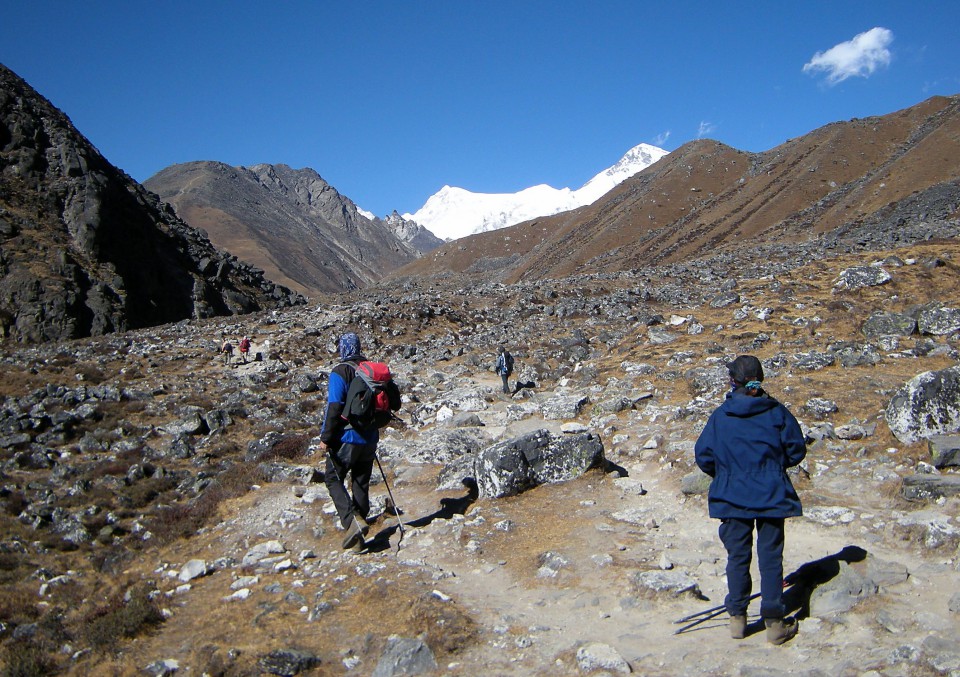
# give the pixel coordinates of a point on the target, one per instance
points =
(706, 197)
(151, 491)
(86, 250)
(290, 222)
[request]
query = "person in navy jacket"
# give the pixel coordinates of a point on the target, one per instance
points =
(350, 449)
(746, 447)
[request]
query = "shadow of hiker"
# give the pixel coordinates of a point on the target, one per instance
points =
(523, 384)
(805, 580)
(796, 598)
(448, 508)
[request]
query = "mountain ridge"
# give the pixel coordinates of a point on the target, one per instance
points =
(290, 222)
(87, 250)
(707, 196)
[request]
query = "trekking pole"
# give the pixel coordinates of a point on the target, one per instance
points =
(710, 611)
(716, 613)
(396, 508)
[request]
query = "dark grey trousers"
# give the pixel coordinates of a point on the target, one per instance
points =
(357, 460)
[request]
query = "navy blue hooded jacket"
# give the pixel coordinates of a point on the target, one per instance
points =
(746, 447)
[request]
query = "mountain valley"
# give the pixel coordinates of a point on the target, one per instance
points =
(163, 510)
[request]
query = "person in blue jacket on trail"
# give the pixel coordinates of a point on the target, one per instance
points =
(746, 447)
(349, 449)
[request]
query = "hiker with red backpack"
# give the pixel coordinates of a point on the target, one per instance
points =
(244, 348)
(360, 398)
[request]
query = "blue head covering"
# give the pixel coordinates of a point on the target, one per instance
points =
(349, 346)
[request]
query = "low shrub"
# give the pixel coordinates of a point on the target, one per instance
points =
(25, 658)
(125, 616)
(290, 447)
(183, 520)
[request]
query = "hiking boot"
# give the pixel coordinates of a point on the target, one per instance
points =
(354, 535)
(780, 630)
(738, 626)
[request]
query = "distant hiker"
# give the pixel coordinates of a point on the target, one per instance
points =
(244, 348)
(355, 410)
(746, 447)
(504, 366)
(227, 349)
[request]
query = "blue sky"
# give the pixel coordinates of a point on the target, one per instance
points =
(389, 101)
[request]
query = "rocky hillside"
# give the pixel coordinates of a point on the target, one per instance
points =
(850, 177)
(87, 251)
(164, 512)
(291, 223)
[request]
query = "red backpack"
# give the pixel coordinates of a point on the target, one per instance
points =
(367, 404)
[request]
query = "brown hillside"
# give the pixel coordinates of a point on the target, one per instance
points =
(706, 196)
(289, 222)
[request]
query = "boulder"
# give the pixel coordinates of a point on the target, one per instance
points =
(939, 320)
(944, 450)
(288, 662)
(929, 404)
(888, 324)
(842, 592)
(814, 360)
(405, 656)
(191, 422)
(539, 457)
(724, 299)
(930, 487)
(859, 277)
(596, 656)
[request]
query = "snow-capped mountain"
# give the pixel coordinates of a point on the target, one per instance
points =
(454, 212)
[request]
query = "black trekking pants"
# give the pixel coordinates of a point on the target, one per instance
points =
(357, 460)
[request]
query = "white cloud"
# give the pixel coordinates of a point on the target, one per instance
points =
(661, 138)
(705, 128)
(860, 56)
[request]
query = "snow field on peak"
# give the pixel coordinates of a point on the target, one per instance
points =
(452, 212)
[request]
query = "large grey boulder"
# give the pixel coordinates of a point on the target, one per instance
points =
(938, 320)
(882, 323)
(859, 277)
(928, 404)
(540, 457)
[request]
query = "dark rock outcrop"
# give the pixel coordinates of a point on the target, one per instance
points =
(86, 250)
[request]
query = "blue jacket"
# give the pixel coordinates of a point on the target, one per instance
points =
(746, 447)
(335, 430)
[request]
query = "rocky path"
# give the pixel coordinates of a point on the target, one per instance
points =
(549, 578)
